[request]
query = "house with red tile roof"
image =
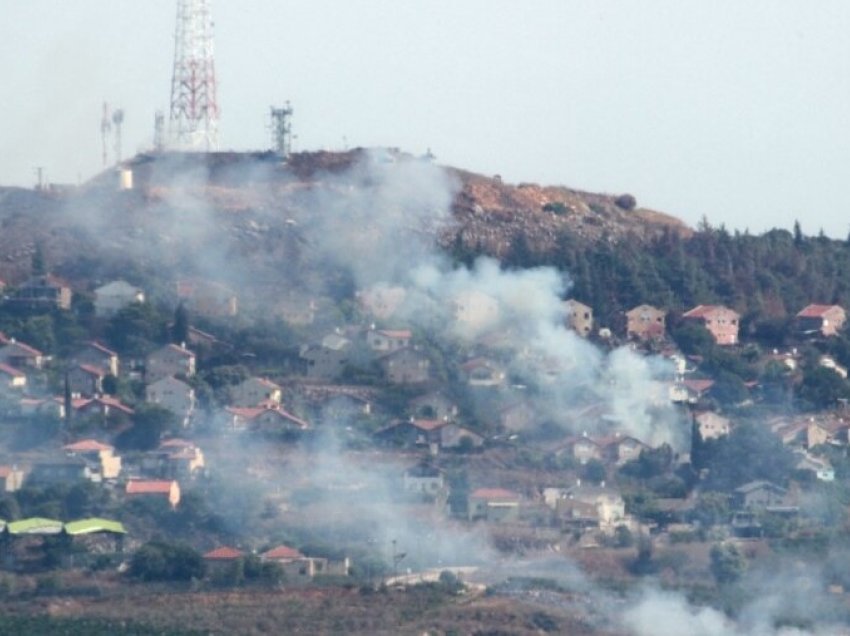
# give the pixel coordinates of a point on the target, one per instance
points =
(383, 341)
(721, 322)
(645, 322)
(11, 378)
(254, 391)
(19, 355)
(296, 567)
(166, 489)
(826, 320)
(175, 459)
(86, 380)
(222, 561)
(169, 360)
(95, 354)
(11, 478)
(101, 458)
(267, 418)
(101, 406)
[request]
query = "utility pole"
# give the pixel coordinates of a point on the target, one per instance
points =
(281, 126)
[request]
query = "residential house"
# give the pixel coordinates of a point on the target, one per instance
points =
(689, 391)
(174, 459)
(483, 372)
(493, 504)
(382, 341)
(208, 298)
(805, 433)
(424, 479)
(86, 380)
(583, 449)
(101, 407)
(101, 459)
(406, 366)
(828, 362)
(11, 478)
(711, 425)
(433, 405)
(297, 310)
(474, 310)
(174, 395)
(43, 291)
(112, 297)
(298, 568)
(381, 301)
(721, 322)
(11, 379)
(602, 505)
(621, 449)
(759, 495)
(59, 471)
(264, 418)
(645, 322)
(169, 490)
(820, 468)
(826, 320)
(254, 392)
(21, 356)
(169, 360)
(578, 317)
(328, 359)
(517, 417)
(222, 561)
(95, 354)
(436, 434)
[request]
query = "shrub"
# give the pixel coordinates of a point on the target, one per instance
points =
(626, 202)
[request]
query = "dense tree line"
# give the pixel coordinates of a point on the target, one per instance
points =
(768, 276)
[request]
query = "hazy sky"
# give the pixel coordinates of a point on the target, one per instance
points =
(738, 110)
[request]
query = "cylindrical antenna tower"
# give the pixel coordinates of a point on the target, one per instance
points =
(193, 122)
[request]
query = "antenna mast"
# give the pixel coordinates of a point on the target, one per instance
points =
(117, 120)
(193, 122)
(282, 130)
(105, 130)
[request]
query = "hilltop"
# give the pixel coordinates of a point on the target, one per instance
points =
(252, 200)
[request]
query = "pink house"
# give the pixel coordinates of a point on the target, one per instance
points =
(721, 322)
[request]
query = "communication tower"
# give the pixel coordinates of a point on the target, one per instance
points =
(105, 131)
(281, 126)
(159, 131)
(117, 120)
(193, 121)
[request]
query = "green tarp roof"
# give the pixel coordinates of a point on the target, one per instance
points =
(89, 526)
(35, 525)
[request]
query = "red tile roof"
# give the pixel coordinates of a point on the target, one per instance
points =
(815, 311)
(5, 471)
(86, 445)
(176, 442)
(495, 494)
(5, 368)
(25, 348)
(224, 554)
(429, 425)
(282, 552)
(396, 333)
(698, 385)
(92, 370)
(706, 311)
(149, 487)
(96, 345)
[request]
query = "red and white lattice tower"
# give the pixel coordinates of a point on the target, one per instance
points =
(193, 124)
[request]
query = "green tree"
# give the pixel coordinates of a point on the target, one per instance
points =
(822, 388)
(161, 561)
(180, 326)
(150, 421)
(748, 453)
(727, 563)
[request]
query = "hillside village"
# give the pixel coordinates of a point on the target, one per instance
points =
(307, 380)
(136, 413)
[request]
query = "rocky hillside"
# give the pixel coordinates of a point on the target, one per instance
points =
(249, 205)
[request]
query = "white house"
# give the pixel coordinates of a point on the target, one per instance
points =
(111, 298)
(174, 395)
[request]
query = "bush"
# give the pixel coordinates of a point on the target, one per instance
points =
(558, 208)
(626, 202)
(160, 561)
